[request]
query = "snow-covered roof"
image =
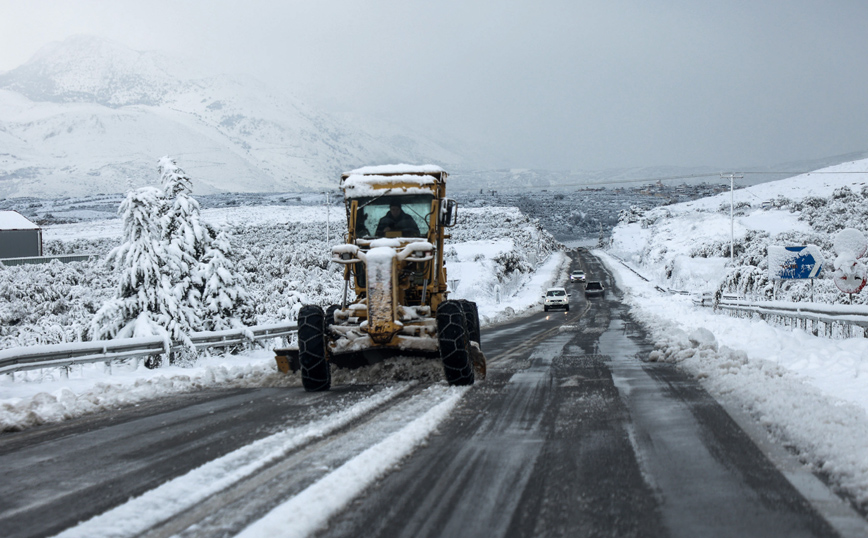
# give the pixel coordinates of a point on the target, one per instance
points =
(396, 169)
(357, 185)
(13, 220)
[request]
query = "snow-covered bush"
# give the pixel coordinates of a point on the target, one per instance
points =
(630, 215)
(50, 303)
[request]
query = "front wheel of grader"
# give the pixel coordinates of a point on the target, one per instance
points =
(471, 314)
(315, 372)
(454, 343)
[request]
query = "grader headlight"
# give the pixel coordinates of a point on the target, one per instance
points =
(346, 254)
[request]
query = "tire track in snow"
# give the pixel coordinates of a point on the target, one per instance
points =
(161, 504)
(311, 509)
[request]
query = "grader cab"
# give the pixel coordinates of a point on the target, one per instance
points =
(398, 217)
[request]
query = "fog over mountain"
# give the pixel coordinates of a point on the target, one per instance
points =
(88, 116)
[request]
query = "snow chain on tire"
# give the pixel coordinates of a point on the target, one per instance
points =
(454, 343)
(315, 372)
(471, 314)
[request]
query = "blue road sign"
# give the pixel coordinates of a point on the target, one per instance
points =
(794, 262)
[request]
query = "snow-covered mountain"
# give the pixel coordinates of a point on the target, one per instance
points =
(87, 116)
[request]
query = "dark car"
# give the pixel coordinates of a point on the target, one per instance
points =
(595, 289)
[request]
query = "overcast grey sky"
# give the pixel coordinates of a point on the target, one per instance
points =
(549, 84)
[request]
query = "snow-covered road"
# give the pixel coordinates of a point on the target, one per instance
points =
(576, 431)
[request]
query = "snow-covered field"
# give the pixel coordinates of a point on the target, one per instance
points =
(498, 258)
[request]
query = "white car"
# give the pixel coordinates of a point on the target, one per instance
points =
(577, 276)
(556, 298)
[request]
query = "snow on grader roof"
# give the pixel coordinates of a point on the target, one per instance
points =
(395, 169)
(410, 179)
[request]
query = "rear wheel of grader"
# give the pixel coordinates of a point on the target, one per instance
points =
(315, 372)
(454, 343)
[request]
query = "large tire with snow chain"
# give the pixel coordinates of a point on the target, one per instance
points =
(454, 343)
(471, 314)
(315, 372)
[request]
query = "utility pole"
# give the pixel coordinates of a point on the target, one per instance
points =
(731, 177)
(328, 214)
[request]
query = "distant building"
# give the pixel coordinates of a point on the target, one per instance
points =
(19, 238)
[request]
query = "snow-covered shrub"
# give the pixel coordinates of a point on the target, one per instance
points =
(630, 215)
(50, 303)
(652, 216)
(738, 208)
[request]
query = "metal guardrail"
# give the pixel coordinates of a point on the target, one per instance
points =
(806, 315)
(59, 355)
(64, 258)
(643, 277)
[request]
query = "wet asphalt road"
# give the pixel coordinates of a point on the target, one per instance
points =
(576, 436)
(572, 434)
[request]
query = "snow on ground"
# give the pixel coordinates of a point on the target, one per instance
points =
(311, 509)
(810, 393)
(45, 396)
(818, 183)
(472, 277)
(222, 216)
(670, 235)
(38, 397)
(143, 512)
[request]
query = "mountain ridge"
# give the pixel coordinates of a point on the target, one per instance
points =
(89, 116)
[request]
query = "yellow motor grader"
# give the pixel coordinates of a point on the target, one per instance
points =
(397, 216)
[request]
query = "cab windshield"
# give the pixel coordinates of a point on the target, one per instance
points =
(393, 216)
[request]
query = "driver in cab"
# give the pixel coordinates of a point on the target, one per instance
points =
(397, 221)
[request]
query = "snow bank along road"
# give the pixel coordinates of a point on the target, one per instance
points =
(572, 434)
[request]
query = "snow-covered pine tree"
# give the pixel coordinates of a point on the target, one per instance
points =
(185, 240)
(144, 295)
(224, 296)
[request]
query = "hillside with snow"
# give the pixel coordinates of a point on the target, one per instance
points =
(801, 391)
(686, 246)
(88, 116)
